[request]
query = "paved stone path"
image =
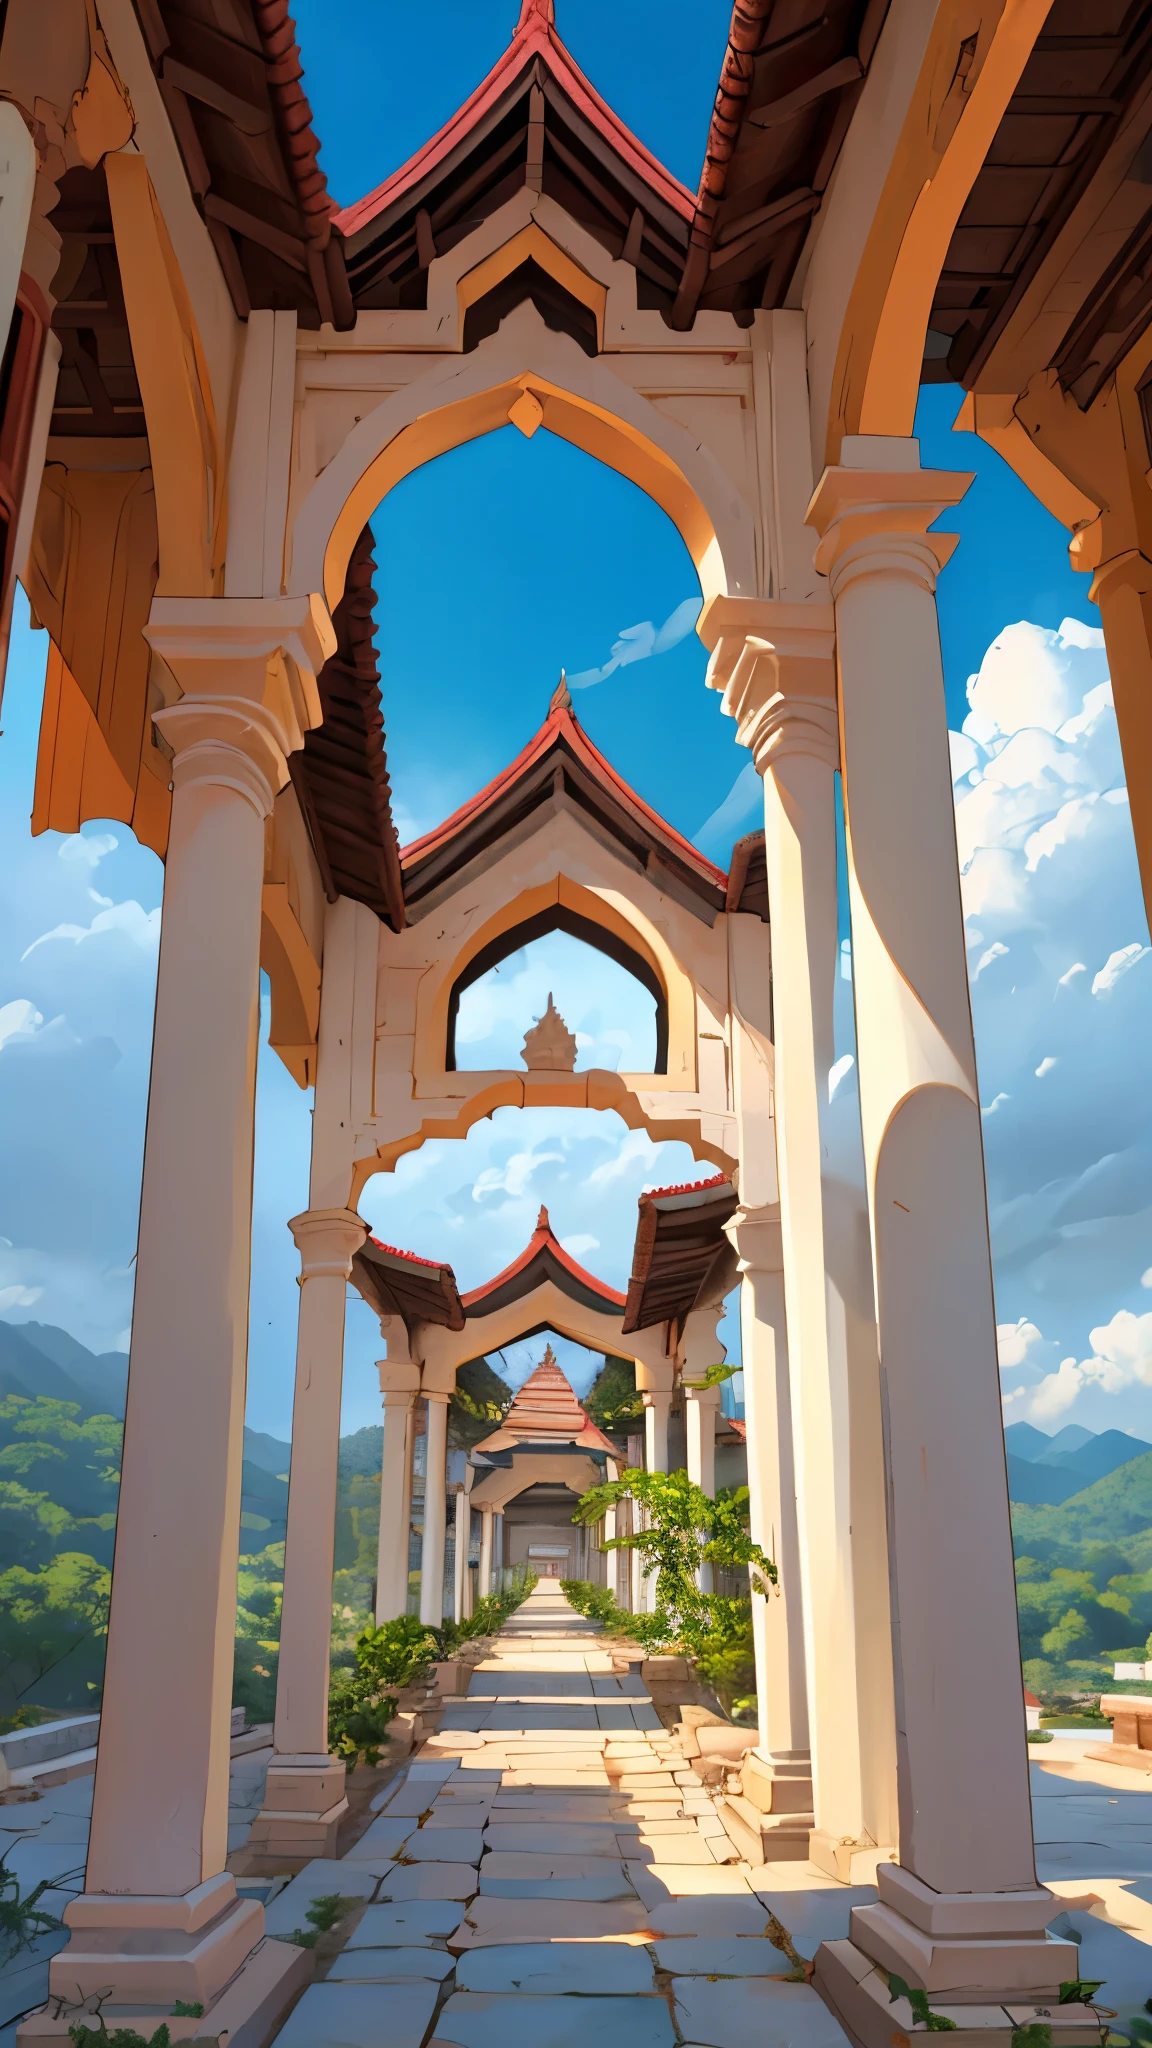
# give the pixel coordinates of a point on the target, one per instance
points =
(557, 1870)
(563, 1874)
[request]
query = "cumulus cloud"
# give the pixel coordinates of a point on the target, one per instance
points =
(1121, 1360)
(139, 925)
(1061, 977)
(639, 643)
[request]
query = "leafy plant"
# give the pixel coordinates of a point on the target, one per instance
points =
(680, 1528)
(1080, 1990)
(715, 1375)
(188, 2009)
(324, 1914)
(21, 1920)
(124, 2037)
(613, 1401)
(922, 2012)
(1037, 2034)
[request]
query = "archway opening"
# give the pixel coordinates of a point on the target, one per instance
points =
(559, 969)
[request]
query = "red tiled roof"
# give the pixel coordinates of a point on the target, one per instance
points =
(687, 1187)
(562, 722)
(543, 1240)
(545, 1410)
(535, 40)
(398, 1253)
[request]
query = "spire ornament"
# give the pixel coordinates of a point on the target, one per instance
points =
(561, 698)
(549, 1045)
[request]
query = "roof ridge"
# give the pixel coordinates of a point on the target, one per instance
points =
(559, 723)
(535, 36)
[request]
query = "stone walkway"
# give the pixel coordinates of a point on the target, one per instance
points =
(547, 1866)
(557, 1871)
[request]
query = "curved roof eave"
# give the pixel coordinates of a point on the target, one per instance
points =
(535, 38)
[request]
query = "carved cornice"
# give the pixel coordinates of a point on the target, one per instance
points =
(775, 664)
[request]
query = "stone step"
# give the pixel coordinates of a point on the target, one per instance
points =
(765, 1837)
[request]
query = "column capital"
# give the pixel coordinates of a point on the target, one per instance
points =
(775, 664)
(873, 510)
(755, 1236)
(708, 1397)
(247, 670)
(327, 1240)
(436, 1394)
(399, 1379)
(657, 1397)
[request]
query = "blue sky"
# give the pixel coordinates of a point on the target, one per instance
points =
(498, 565)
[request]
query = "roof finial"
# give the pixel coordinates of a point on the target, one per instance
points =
(550, 1044)
(532, 11)
(543, 1221)
(561, 698)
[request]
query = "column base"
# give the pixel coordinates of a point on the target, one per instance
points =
(249, 2009)
(857, 1992)
(969, 1947)
(847, 1861)
(304, 1805)
(142, 1951)
(770, 1819)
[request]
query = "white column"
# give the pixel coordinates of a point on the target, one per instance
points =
(304, 1799)
(460, 1556)
(656, 1407)
(498, 1548)
(775, 665)
(435, 1510)
(778, 1779)
(962, 1911)
(700, 1347)
(395, 1498)
(159, 1918)
(485, 1552)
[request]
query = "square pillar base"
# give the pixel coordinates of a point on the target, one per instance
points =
(146, 1952)
(304, 1805)
(857, 1992)
(770, 1819)
(247, 2012)
(968, 1947)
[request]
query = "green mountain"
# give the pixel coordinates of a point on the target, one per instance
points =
(1112, 1508)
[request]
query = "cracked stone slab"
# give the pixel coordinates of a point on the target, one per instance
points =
(478, 2019)
(444, 1845)
(390, 1965)
(411, 1923)
(604, 1966)
(499, 1921)
(356, 2016)
(720, 1955)
(753, 2012)
(430, 1881)
(318, 1879)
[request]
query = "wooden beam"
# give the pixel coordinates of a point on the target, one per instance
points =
(187, 457)
(288, 248)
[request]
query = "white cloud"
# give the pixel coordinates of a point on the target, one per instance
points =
(838, 1072)
(1121, 1360)
(89, 848)
(514, 1177)
(577, 1247)
(19, 1297)
(139, 925)
(741, 811)
(1061, 992)
(639, 643)
(1117, 963)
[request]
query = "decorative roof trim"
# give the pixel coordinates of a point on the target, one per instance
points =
(480, 1300)
(535, 38)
